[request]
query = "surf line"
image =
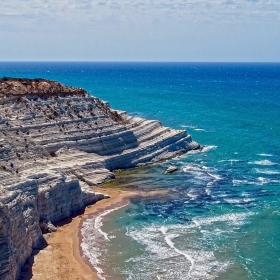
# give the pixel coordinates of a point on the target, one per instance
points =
(98, 220)
(171, 245)
(97, 227)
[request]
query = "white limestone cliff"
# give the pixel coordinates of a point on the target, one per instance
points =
(56, 144)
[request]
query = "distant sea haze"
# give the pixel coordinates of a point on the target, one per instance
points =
(221, 217)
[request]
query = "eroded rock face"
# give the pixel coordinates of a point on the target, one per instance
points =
(40, 87)
(56, 144)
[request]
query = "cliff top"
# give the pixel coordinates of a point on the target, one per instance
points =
(41, 87)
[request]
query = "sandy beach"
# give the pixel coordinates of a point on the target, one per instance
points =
(61, 257)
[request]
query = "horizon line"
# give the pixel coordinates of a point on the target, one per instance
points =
(133, 61)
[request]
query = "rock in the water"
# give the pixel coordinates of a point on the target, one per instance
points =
(171, 169)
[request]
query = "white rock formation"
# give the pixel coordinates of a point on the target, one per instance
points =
(56, 144)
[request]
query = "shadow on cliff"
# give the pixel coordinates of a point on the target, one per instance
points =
(27, 269)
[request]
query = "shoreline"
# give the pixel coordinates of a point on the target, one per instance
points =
(61, 256)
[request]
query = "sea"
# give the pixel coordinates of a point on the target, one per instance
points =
(218, 217)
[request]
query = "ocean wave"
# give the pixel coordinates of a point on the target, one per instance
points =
(192, 127)
(231, 160)
(202, 173)
(237, 182)
(264, 180)
(188, 126)
(265, 155)
(203, 150)
(266, 171)
(167, 255)
(168, 240)
(208, 148)
(194, 167)
(237, 219)
(258, 181)
(192, 196)
(92, 234)
(262, 162)
(216, 177)
(239, 200)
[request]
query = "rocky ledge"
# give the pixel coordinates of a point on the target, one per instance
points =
(56, 144)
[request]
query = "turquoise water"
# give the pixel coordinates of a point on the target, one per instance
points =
(221, 219)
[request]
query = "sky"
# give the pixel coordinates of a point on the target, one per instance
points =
(140, 30)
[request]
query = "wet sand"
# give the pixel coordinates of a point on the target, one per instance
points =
(61, 256)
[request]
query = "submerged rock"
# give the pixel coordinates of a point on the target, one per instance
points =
(171, 169)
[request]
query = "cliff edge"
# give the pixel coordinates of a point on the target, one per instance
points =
(56, 144)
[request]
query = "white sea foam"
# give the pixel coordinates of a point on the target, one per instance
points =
(208, 148)
(264, 180)
(204, 150)
(192, 196)
(265, 155)
(216, 177)
(233, 201)
(232, 219)
(266, 171)
(202, 173)
(92, 234)
(199, 129)
(98, 221)
(237, 182)
(207, 190)
(171, 244)
(197, 223)
(259, 181)
(249, 199)
(229, 160)
(192, 152)
(172, 252)
(189, 126)
(262, 162)
(191, 167)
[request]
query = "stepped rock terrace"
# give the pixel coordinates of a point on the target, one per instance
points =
(56, 144)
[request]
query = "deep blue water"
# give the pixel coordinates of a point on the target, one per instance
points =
(222, 217)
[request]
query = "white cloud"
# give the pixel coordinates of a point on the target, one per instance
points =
(83, 10)
(196, 30)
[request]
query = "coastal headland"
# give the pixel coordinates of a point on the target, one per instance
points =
(57, 143)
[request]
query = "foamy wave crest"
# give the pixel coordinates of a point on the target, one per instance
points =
(172, 252)
(237, 182)
(192, 194)
(188, 126)
(216, 177)
(238, 201)
(92, 235)
(203, 150)
(231, 219)
(259, 181)
(262, 162)
(230, 160)
(202, 173)
(208, 148)
(265, 155)
(266, 171)
(168, 240)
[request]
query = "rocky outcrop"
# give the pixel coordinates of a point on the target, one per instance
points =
(56, 144)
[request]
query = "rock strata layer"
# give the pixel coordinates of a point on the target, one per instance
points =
(56, 144)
